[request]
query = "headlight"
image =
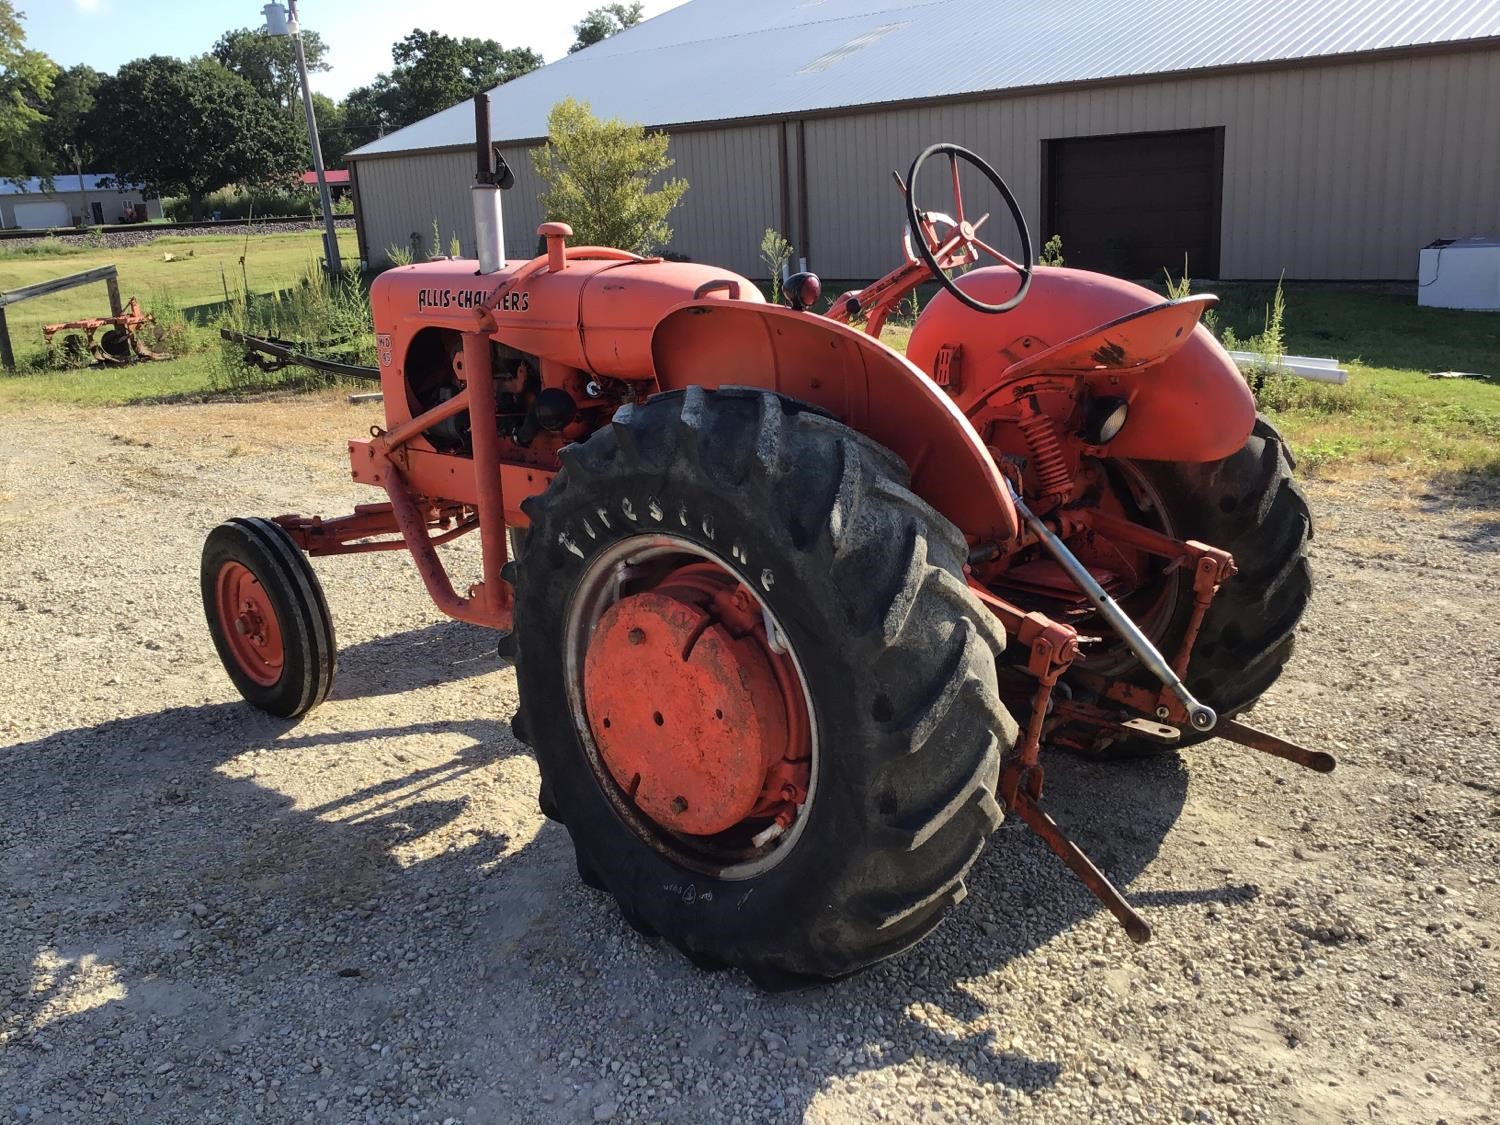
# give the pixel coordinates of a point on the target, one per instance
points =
(1103, 418)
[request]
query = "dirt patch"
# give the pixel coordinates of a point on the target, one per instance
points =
(206, 914)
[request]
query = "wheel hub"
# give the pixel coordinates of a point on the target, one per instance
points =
(686, 707)
(254, 638)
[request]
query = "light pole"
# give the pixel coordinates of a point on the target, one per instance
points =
(280, 21)
(82, 195)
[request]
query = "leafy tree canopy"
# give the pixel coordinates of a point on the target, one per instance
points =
(64, 135)
(333, 130)
(25, 85)
(434, 71)
(599, 175)
(373, 111)
(269, 64)
(603, 22)
(208, 129)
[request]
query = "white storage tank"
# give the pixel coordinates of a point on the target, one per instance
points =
(1460, 273)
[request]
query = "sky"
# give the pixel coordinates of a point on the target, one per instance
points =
(359, 33)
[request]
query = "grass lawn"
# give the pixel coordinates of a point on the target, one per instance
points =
(1389, 413)
(193, 282)
(186, 379)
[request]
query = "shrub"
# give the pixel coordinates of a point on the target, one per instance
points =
(1177, 290)
(322, 315)
(598, 176)
(233, 203)
(170, 331)
(775, 252)
(1052, 254)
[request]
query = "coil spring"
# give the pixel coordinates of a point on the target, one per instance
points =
(1053, 478)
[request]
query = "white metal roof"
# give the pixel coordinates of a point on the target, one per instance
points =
(713, 60)
(68, 181)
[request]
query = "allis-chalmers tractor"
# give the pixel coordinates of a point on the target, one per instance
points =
(793, 615)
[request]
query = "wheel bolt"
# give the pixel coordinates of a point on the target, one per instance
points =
(636, 636)
(679, 805)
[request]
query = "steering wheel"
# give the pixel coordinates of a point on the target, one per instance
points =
(961, 245)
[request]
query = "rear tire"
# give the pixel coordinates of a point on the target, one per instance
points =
(290, 670)
(865, 580)
(1248, 504)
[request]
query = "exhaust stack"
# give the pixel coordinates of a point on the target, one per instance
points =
(488, 230)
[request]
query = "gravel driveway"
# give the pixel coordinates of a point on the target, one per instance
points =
(209, 915)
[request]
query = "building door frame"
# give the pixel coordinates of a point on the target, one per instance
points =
(1052, 148)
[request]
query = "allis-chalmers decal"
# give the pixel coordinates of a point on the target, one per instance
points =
(469, 299)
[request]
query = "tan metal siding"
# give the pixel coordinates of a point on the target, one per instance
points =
(401, 196)
(1340, 171)
(1329, 172)
(733, 196)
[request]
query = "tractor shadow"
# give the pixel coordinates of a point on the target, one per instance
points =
(437, 654)
(1470, 499)
(152, 874)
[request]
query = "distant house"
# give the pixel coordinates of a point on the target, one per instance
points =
(338, 182)
(1254, 138)
(75, 200)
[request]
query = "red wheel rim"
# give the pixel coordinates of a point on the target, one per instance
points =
(248, 621)
(695, 708)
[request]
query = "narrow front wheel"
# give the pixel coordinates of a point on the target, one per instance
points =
(268, 617)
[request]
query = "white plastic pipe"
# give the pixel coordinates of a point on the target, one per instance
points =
(1318, 370)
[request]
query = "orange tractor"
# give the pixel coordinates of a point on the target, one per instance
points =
(793, 616)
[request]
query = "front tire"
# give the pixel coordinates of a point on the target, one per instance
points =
(863, 582)
(268, 617)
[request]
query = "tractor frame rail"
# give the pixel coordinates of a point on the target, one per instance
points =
(287, 353)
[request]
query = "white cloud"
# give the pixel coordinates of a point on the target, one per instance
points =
(88, 6)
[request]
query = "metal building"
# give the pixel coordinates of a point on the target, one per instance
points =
(1322, 139)
(73, 200)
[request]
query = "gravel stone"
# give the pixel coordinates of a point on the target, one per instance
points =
(374, 924)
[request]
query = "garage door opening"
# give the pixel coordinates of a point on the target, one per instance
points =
(1133, 204)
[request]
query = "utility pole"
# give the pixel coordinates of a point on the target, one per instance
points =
(278, 23)
(82, 195)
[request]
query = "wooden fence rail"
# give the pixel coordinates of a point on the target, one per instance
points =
(107, 274)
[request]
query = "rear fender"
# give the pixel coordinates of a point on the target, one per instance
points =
(859, 380)
(1188, 400)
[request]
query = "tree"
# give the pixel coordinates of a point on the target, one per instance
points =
(333, 131)
(598, 176)
(372, 111)
(25, 85)
(434, 71)
(64, 135)
(603, 22)
(268, 63)
(205, 129)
